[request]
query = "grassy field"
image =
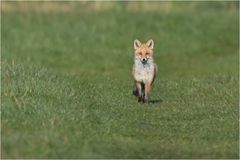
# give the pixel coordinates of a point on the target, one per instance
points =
(66, 85)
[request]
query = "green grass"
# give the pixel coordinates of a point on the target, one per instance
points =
(66, 85)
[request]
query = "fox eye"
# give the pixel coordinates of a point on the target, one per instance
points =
(147, 53)
(140, 53)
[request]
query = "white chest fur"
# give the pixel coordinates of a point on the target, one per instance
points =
(144, 72)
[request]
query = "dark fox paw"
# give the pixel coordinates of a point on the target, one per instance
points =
(135, 93)
(145, 101)
(139, 99)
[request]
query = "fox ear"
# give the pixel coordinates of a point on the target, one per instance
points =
(137, 44)
(150, 43)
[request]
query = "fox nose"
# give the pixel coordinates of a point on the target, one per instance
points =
(144, 59)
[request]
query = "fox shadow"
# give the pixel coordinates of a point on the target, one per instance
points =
(155, 101)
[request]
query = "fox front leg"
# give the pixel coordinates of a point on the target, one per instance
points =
(147, 92)
(135, 90)
(139, 89)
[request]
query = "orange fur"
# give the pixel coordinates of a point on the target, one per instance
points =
(144, 69)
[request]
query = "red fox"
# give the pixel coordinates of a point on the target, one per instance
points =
(144, 70)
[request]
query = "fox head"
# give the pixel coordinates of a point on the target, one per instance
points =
(143, 51)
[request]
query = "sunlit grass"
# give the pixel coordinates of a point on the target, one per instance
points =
(66, 86)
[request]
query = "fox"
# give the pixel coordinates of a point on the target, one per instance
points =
(144, 70)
